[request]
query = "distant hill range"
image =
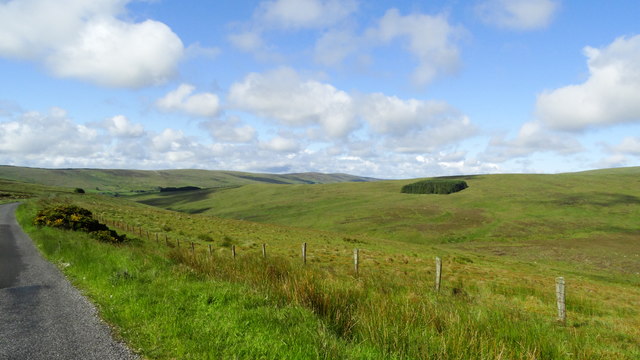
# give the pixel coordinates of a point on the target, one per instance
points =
(127, 181)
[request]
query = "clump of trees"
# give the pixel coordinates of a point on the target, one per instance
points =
(75, 218)
(436, 186)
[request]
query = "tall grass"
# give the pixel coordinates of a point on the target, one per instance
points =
(401, 321)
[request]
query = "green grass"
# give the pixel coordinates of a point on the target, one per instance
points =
(166, 310)
(490, 306)
(503, 241)
(572, 217)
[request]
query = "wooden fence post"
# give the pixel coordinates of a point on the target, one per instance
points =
(166, 240)
(356, 259)
(562, 313)
(193, 248)
(264, 250)
(304, 253)
(438, 273)
(233, 251)
(209, 249)
(178, 241)
(157, 241)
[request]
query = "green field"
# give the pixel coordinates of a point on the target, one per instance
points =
(580, 217)
(503, 242)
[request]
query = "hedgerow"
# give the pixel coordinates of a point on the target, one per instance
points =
(437, 186)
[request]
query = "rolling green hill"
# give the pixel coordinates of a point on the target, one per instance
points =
(128, 181)
(574, 216)
(502, 241)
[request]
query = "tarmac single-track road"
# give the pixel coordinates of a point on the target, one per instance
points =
(42, 316)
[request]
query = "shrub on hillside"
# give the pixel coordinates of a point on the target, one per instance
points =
(75, 218)
(438, 186)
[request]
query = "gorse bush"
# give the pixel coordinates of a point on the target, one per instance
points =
(439, 186)
(75, 218)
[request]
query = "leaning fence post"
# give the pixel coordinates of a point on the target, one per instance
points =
(356, 259)
(562, 313)
(304, 253)
(438, 273)
(264, 251)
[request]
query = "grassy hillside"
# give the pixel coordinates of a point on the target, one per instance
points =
(574, 217)
(170, 302)
(127, 181)
(503, 241)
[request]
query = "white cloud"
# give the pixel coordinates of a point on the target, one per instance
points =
(532, 138)
(629, 145)
(231, 131)
(518, 14)
(284, 96)
(34, 134)
(85, 40)
(414, 126)
(281, 144)
(429, 38)
(182, 99)
(298, 14)
(120, 126)
(611, 94)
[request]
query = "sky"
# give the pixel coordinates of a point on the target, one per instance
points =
(387, 89)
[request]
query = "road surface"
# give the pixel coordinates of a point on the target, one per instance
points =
(42, 316)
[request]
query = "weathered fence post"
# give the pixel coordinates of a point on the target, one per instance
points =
(209, 249)
(562, 313)
(193, 248)
(264, 250)
(233, 251)
(356, 259)
(304, 253)
(438, 273)
(178, 241)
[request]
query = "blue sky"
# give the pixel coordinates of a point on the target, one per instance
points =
(390, 89)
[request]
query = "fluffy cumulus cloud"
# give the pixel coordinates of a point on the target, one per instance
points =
(281, 144)
(86, 40)
(532, 138)
(184, 100)
(120, 126)
(298, 14)
(414, 126)
(283, 95)
(611, 94)
(46, 136)
(431, 39)
(404, 125)
(629, 145)
(230, 130)
(518, 14)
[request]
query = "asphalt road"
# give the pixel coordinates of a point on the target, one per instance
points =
(42, 316)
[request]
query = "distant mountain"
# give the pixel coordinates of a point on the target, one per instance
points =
(126, 181)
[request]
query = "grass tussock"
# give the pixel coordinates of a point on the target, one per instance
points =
(403, 321)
